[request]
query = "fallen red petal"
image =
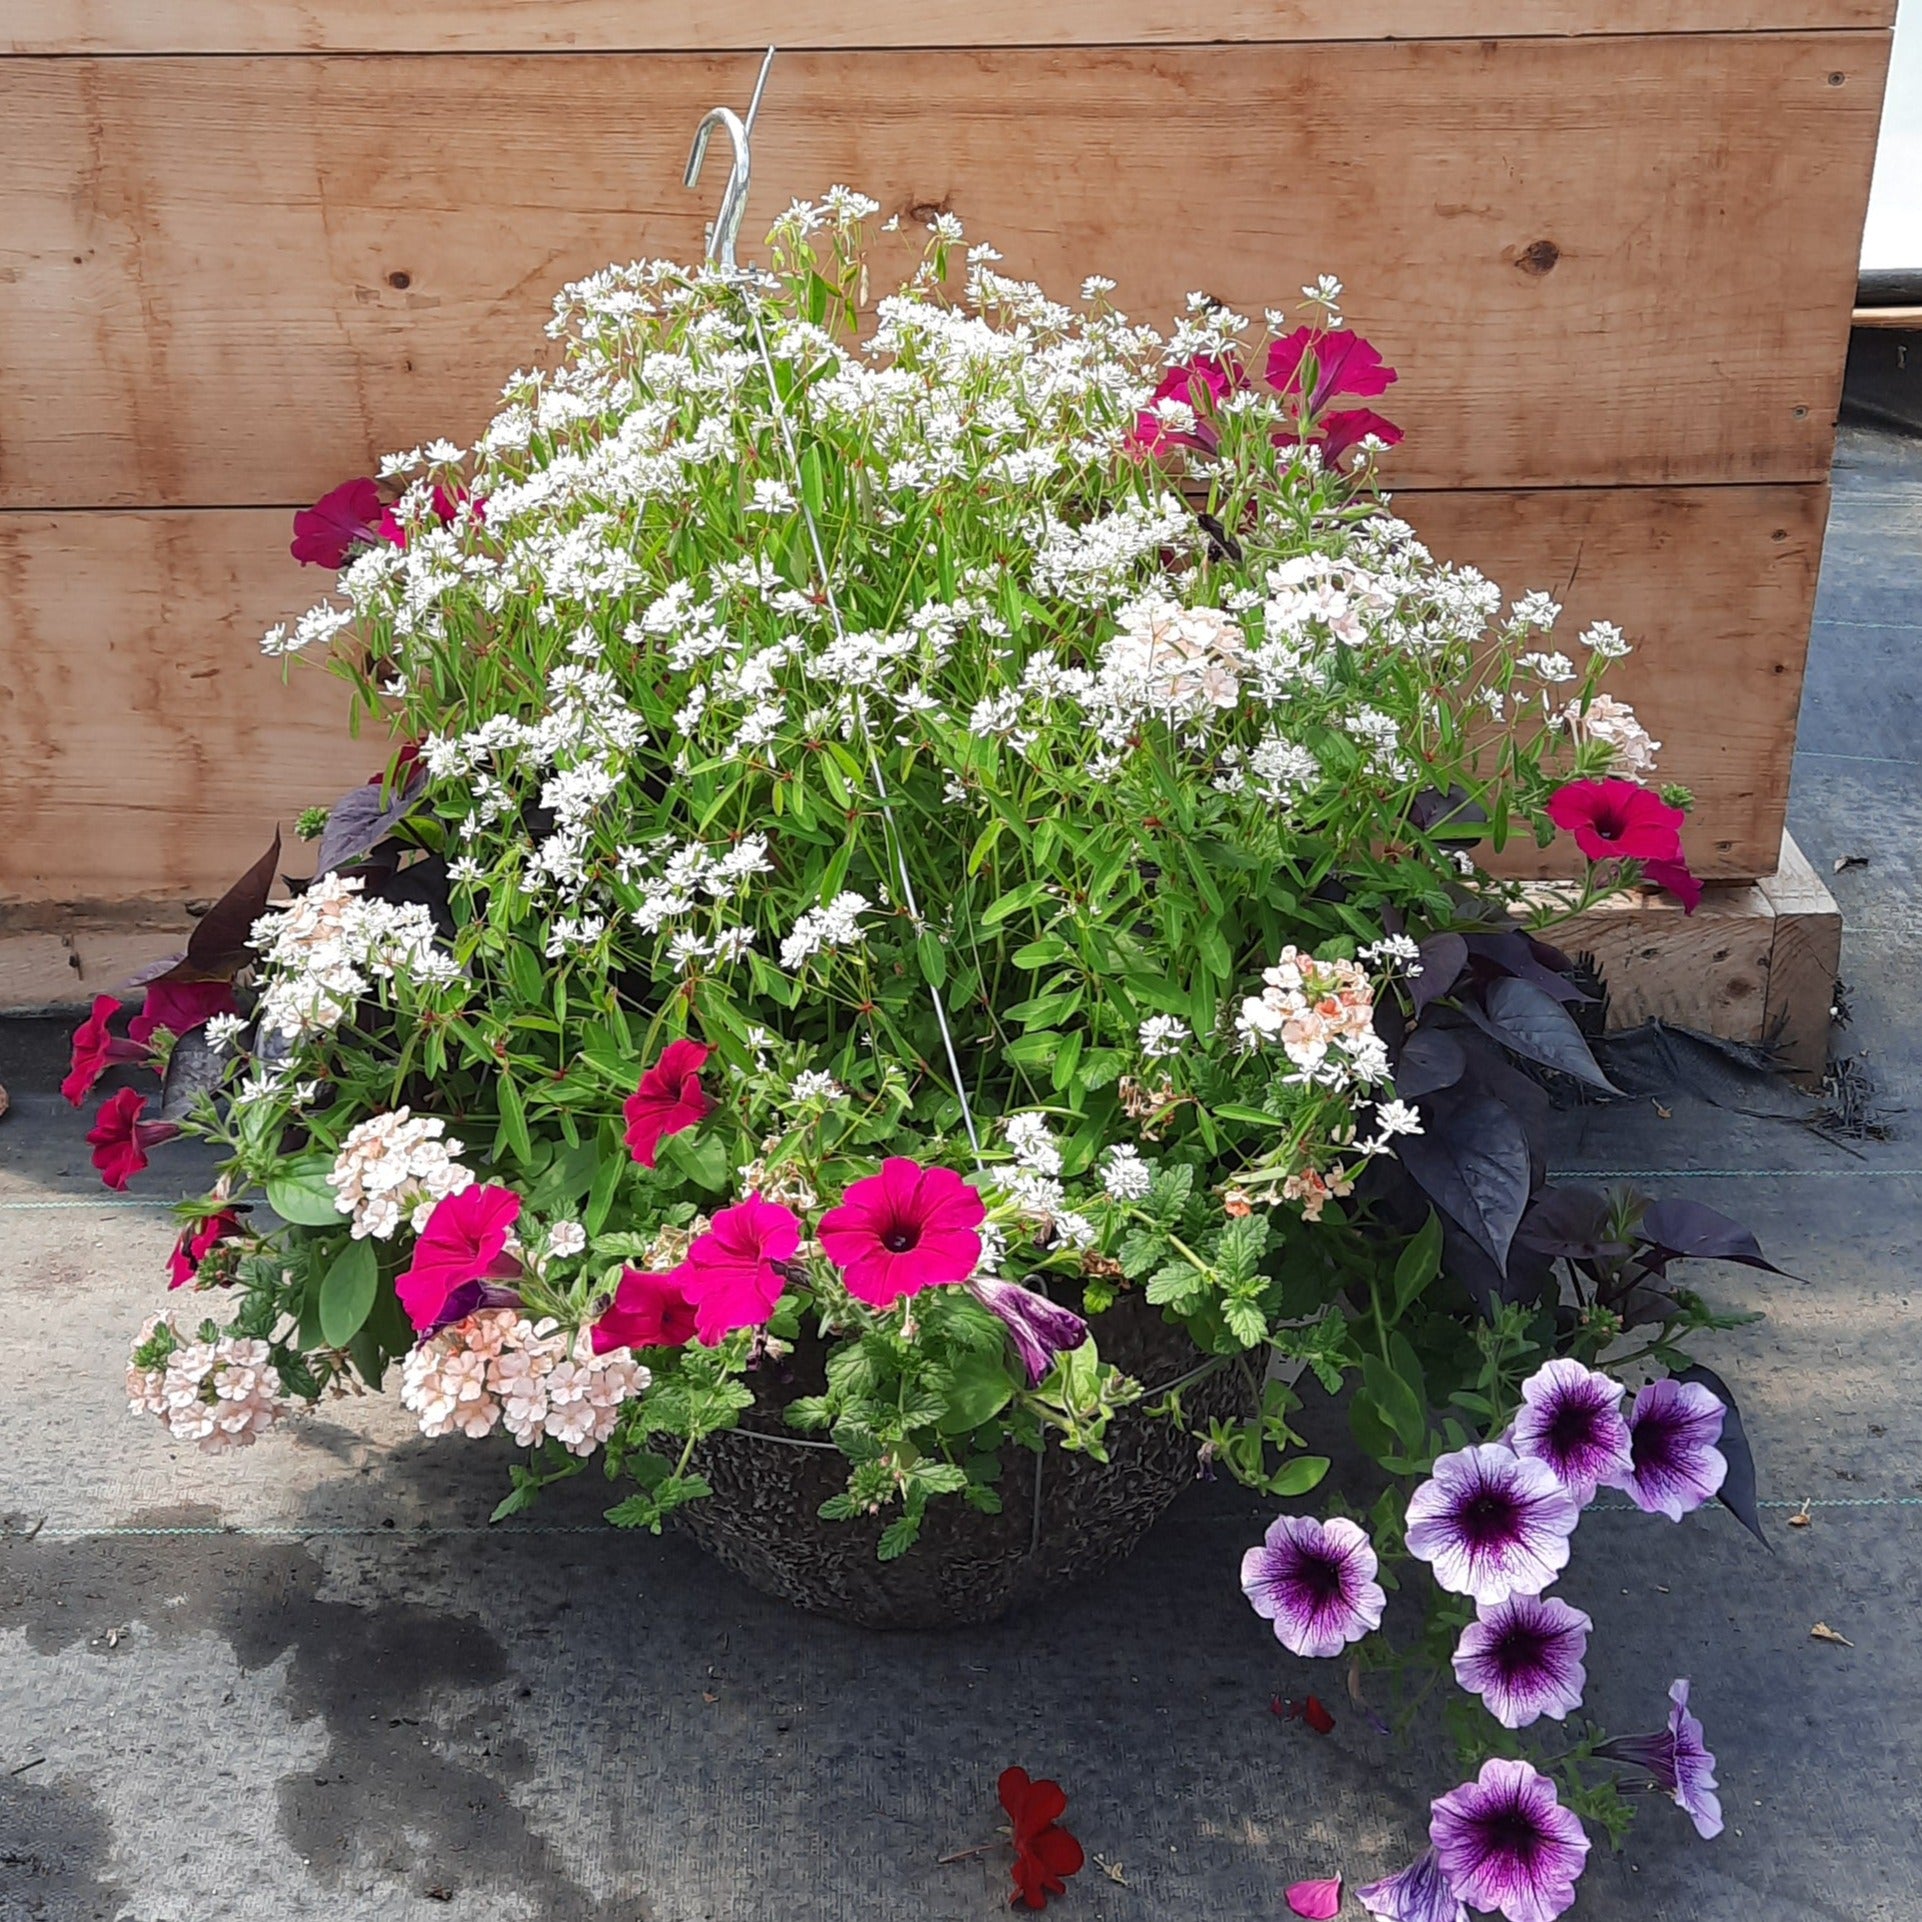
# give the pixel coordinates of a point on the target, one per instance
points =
(1315, 1713)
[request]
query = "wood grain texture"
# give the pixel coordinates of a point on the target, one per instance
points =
(1596, 261)
(512, 26)
(1714, 588)
(1803, 963)
(150, 750)
(148, 747)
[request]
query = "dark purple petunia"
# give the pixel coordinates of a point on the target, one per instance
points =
(1491, 1523)
(1523, 1657)
(1679, 1760)
(1571, 1418)
(1674, 1463)
(1316, 1582)
(1039, 1328)
(1507, 1844)
(1419, 1893)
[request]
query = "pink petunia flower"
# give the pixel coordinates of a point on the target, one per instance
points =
(1200, 384)
(1614, 820)
(120, 1139)
(95, 1050)
(1676, 878)
(903, 1230)
(731, 1274)
(329, 533)
(460, 1256)
(1344, 364)
(648, 1311)
(669, 1099)
(1346, 427)
(180, 1007)
(445, 505)
(196, 1243)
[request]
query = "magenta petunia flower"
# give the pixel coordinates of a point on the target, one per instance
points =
(1039, 1328)
(1201, 384)
(648, 1311)
(1337, 432)
(1491, 1523)
(1571, 1418)
(1616, 820)
(1418, 1893)
(329, 533)
(903, 1230)
(1316, 1582)
(1523, 1657)
(196, 1243)
(1675, 1464)
(730, 1274)
(669, 1099)
(1678, 1758)
(1344, 364)
(460, 1259)
(1676, 878)
(96, 1049)
(180, 1007)
(120, 1139)
(1506, 1843)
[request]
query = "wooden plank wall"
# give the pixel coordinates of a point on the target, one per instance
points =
(248, 245)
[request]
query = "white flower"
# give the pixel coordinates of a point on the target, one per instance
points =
(811, 1085)
(837, 925)
(1162, 1037)
(395, 1166)
(1125, 1175)
(1611, 721)
(1032, 1145)
(566, 1239)
(1553, 668)
(771, 497)
(223, 1030)
(1605, 639)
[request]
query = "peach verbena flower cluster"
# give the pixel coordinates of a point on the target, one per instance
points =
(222, 1394)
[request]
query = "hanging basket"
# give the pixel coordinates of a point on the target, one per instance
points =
(1063, 1515)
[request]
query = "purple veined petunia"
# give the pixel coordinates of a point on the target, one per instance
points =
(1505, 1843)
(1039, 1328)
(1491, 1523)
(1674, 1464)
(1418, 1893)
(1316, 1582)
(1523, 1657)
(1678, 1758)
(1571, 1418)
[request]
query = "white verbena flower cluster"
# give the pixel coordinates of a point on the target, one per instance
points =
(322, 952)
(392, 1166)
(497, 1368)
(223, 1394)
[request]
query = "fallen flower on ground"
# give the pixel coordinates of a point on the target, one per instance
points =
(1045, 1854)
(1318, 1900)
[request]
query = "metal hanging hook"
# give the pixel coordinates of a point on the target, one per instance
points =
(726, 230)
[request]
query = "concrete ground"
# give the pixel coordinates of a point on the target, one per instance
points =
(311, 1682)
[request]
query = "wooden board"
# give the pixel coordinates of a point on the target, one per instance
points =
(235, 281)
(150, 750)
(148, 747)
(512, 26)
(1714, 587)
(1755, 962)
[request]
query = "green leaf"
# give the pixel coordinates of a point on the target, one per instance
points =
(1041, 954)
(897, 1538)
(1029, 894)
(1299, 1476)
(699, 1156)
(1067, 1058)
(347, 1293)
(1177, 1283)
(297, 1191)
(513, 1128)
(979, 1390)
(1398, 1401)
(1419, 1264)
(933, 957)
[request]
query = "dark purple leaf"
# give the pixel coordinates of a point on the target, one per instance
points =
(1571, 1224)
(1643, 1305)
(360, 820)
(1472, 1161)
(1491, 1072)
(194, 1068)
(1443, 956)
(1528, 1276)
(1689, 1231)
(1513, 952)
(152, 972)
(1451, 815)
(1737, 1493)
(1538, 1028)
(217, 949)
(1429, 1061)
